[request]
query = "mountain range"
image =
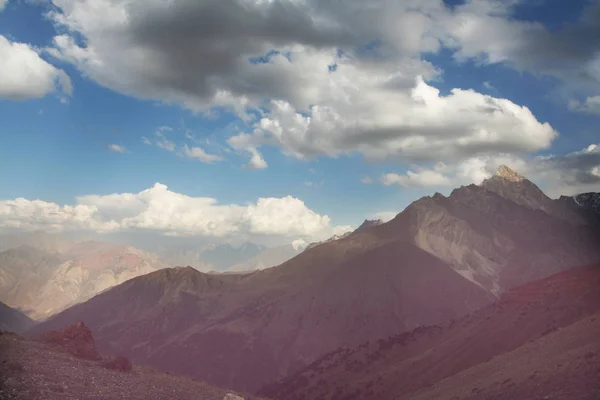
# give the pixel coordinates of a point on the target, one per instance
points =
(42, 274)
(229, 258)
(442, 258)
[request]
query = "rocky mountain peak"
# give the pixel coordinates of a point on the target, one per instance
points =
(369, 224)
(508, 174)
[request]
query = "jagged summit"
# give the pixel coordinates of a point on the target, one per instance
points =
(368, 224)
(508, 174)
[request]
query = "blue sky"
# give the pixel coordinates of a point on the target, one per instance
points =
(56, 144)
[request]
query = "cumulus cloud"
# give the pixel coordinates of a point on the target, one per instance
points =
(161, 210)
(329, 78)
(365, 114)
(256, 162)
(25, 75)
(198, 153)
(486, 31)
(301, 67)
(221, 52)
(117, 148)
(591, 105)
(422, 178)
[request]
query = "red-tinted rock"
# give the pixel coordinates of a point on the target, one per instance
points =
(76, 339)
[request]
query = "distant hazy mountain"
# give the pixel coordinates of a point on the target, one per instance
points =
(439, 259)
(13, 320)
(46, 276)
(50, 243)
(270, 257)
(214, 257)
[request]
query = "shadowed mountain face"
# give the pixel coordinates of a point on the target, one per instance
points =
(50, 274)
(13, 320)
(554, 315)
(441, 258)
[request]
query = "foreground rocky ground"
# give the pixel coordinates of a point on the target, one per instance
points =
(31, 370)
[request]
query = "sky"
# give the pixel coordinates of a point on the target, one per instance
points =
(280, 120)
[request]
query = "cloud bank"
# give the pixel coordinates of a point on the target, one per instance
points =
(163, 211)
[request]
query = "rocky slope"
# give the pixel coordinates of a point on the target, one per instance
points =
(480, 354)
(561, 365)
(515, 187)
(13, 320)
(441, 258)
(34, 370)
(252, 329)
(41, 281)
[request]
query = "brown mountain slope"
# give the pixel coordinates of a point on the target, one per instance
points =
(245, 331)
(252, 329)
(402, 364)
(42, 281)
(515, 187)
(36, 371)
(13, 320)
(563, 365)
(491, 240)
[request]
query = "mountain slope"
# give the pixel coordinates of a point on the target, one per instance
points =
(441, 258)
(13, 320)
(43, 282)
(398, 366)
(251, 329)
(491, 240)
(515, 187)
(36, 371)
(564, 364)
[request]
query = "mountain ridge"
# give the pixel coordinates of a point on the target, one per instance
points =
(442, 257)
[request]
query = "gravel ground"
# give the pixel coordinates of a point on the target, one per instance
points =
(31, 370)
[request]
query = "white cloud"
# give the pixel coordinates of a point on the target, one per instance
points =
(422, 178)
(591, 105)
(256, 162)
(147, 141)
(197, 54)
(488, 86)
(169, 213)
(299, 244)
(25, 75)
(366, 180)
(198, 153)
(117, 148)
(3, 4)
(363, 112)
(163, 142)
